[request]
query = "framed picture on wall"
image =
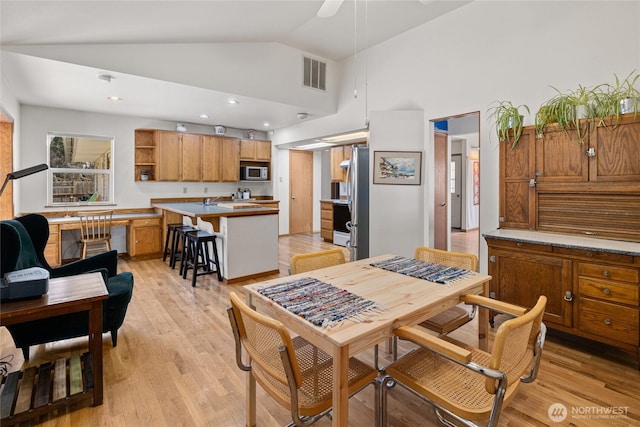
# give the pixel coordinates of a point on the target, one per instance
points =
(397, 167)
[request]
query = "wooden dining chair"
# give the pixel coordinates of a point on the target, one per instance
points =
(453, 318)
(462, 382)
(295, 373)
(95, 232)
(312, 261)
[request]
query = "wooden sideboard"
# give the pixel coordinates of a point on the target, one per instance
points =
(592, 285)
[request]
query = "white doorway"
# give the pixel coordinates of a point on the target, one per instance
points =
(455, 190)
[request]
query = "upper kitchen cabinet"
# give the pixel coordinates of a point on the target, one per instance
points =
(211, 155)
(179, 156)
(338, 155)
(169, 149)
(230, 160)
(191, 157)
(145, 155)
(255, 150)
(184, 157)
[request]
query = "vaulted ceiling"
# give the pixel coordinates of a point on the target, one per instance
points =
(53, 52)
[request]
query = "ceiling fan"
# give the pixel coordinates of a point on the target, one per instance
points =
(330, 7)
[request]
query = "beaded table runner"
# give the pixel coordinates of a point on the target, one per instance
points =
(422, 270)
(320, 303)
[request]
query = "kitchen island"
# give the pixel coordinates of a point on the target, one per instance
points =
(248, 244)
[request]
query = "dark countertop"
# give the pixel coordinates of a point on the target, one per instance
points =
(567, 241)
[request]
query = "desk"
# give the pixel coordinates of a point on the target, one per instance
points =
(407, 301)
(84, 292)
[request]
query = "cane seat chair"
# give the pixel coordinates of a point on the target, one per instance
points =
(95, 232)
(453, 318)
(295, 373)
(312, 261)
(464, 383)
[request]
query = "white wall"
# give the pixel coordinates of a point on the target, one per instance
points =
(37, 121)
(485, 51)
(11, 107)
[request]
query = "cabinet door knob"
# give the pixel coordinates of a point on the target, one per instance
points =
(607, 321)
(492, 258)
(606, 273)
(606, 291)
(568, 296)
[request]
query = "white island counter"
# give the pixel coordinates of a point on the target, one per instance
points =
(249, 235)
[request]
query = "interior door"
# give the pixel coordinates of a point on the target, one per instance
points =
(6, 164)
(300, 191)
(455, 187)
(441, 191)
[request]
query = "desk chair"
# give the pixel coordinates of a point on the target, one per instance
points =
(294, 372)
(457, 316)
(312, 261)
(464, 383)
(95, 232)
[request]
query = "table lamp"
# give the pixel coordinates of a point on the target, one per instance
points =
(22, 173)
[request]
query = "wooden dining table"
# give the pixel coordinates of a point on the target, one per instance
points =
(404, 300)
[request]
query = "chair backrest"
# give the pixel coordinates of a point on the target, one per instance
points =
(95, 225)
(451, 259)
(513, 345)
(313, 261)
(262, 337)
(186, 220)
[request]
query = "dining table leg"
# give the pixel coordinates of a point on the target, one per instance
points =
(483, 322)
(340, 387)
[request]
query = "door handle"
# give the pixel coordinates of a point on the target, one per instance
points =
(293, 197)
(443, 204)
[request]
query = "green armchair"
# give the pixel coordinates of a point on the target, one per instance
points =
(22, 244)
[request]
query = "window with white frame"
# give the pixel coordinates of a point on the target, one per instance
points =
(80, 169)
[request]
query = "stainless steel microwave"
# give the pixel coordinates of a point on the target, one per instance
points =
(254, 173)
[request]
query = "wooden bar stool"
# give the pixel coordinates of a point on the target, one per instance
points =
(168, 241)
(178, 244)
(196, 255)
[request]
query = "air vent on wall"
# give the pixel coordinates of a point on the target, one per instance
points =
(314, 74)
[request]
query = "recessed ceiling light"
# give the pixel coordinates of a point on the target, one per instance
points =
(266, 124)
(114, 98)
(233, 101)
(204, 116)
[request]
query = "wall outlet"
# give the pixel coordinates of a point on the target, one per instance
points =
(206, 190)
(184, 190)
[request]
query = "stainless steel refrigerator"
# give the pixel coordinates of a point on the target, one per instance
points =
(357, 188)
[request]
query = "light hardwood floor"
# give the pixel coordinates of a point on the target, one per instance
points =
(174, 366)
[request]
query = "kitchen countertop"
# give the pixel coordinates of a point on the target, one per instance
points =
(567, 241)
(197, 209)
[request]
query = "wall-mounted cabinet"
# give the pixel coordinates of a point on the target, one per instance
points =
(145, 155)
(338, 155)
(255, 150)
(183, 157)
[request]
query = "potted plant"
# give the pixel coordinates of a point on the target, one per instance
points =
(144, 175)
(627, 94)
(508, 120)
(567, 110)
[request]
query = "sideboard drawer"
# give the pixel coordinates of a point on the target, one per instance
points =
(610, 291)
(608, 272)
(609, 320)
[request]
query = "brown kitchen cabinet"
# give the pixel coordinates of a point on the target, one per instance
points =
(517, 182)
(144, 237)
(230, 160)
(191, 169)
(338, 155)
(326, 220)
(592, 291)
(255, 150)
(211, 155)
(145, 154)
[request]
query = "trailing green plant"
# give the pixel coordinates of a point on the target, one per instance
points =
(571, 110)
(508, 120)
